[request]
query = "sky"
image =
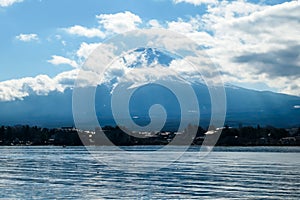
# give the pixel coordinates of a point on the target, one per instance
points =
(43, 43)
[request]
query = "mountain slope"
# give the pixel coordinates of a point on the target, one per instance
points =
(244, 106)
(247, 107)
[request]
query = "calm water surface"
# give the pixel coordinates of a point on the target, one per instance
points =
(227, 173)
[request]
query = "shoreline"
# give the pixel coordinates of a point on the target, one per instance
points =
(192, 135)
(145, 145)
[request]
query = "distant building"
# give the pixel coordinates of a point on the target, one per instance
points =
(288, 140)
(68, 128)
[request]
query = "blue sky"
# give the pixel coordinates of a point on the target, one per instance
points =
(44, 37)
(46, 18)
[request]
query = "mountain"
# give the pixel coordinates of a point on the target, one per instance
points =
(244, 106)
(247, 107)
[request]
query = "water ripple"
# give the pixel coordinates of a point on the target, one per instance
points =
(71, 173)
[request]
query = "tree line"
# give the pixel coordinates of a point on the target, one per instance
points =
(242, 136)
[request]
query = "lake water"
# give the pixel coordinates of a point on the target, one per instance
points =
(227, 173)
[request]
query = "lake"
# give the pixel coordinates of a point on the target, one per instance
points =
(49, 172)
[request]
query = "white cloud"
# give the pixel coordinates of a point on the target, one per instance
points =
(119, 72)
(5, 3)
(196, 2)
(109, 23)
(229, 30)
(86, 49)
(86, 32)
(59, 60)
(181, 26)
(237, 31)
(27, 37)
(106, 54)
(18, 89)
(154, 23)
(65, 79)
(119, 22)
(136, 69)
(258, 44)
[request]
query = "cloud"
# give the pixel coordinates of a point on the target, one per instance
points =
(65, 79)
(154, 23)
(86, 32)
(59, 60)
(264, 28)
(196, 2)
(18, 89)
(254, 43)
(121, 71)
(141, 66)
(27, 37)
(276, 63)
(6, 3)
(119, 22)
(106, 54)
(181, 26)
(110, 23)
(86, 49)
